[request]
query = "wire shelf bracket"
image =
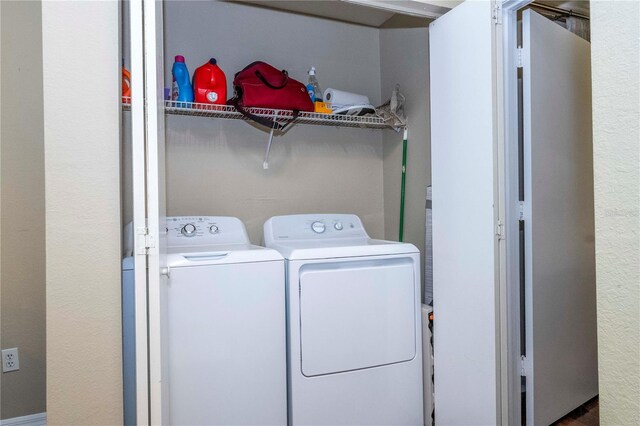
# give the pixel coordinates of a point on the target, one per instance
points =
(265, 163)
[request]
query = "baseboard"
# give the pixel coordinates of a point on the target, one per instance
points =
(30, 420)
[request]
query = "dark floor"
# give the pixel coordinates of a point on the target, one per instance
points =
(585, 415)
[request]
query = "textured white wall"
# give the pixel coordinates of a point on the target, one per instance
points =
(82, 168)
(615, 35)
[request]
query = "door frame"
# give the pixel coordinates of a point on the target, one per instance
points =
(138, 154)
(512, 366)
(147, 124)
(157, 273)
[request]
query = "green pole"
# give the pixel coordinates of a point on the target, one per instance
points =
(402, 185)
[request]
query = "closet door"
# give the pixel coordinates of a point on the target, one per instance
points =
(465, 214)
(560, 293)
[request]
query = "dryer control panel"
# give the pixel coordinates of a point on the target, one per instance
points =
(201, 230)
(313, 227)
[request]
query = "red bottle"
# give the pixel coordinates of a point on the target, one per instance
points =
(210, 84)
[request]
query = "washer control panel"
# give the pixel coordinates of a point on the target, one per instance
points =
(313, 227)
(201, 230)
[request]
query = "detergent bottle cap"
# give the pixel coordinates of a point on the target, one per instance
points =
(213, 61)
(179, 58)
(312, 71)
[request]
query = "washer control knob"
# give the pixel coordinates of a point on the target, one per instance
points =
(318, 227)
(189, 230)
(338, 226)
(214, 229)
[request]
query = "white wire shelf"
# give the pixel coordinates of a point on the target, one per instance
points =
(229, 112)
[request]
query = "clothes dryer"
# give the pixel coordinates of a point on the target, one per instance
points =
(354, 322)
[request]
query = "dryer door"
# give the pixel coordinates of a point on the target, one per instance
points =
(357, 314)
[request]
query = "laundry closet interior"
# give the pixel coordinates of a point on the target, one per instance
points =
(215, 166)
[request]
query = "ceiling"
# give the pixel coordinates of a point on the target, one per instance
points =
(375, 14)
(338, 10)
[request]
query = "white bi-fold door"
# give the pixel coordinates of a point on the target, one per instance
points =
(465, 207)
(477, 336)
(561, 364)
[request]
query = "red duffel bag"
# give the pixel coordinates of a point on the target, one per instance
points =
(259, 85)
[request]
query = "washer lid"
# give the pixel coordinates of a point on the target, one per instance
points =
(219, 254)
(211, 240)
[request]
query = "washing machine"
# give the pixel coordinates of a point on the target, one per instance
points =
(354, 322)
(223, 325)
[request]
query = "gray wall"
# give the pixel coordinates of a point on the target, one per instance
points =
(22, 208)
(215, 166)
(404, 59)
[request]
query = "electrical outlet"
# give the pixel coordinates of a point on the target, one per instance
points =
(10, 360)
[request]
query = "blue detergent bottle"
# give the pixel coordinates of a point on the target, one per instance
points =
(181, 89)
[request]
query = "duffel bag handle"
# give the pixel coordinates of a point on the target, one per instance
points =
(271, 86)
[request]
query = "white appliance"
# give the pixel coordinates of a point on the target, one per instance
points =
(224, 325)
(354, 335)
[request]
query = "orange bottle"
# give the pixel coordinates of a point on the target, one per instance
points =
(126, 86)
(210, 84)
